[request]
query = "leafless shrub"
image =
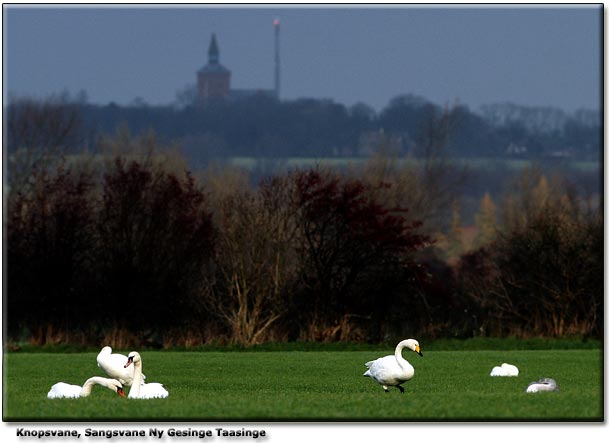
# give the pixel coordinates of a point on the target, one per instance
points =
(253, 261)
(38, 134)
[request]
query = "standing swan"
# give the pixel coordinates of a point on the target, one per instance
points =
(139, 389)
(64, 390)
(393, 370)
(115, 365)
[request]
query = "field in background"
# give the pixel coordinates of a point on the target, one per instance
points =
(448, 385)
(493, 175)
(250, 163)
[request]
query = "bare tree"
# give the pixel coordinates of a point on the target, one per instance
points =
(144, 149)
(254, 261)
(39, 133)
(540, 276)
(486, 221)
(426, 184)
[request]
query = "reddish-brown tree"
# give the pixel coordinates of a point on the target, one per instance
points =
(350, 246)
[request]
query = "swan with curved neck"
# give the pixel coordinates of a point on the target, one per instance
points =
(114, 366)
(543, 384)
(139, 389)
(393, 370)
(65, 390)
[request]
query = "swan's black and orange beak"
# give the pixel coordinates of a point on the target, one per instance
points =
(129, 361)
(417, 349)
(120, 392)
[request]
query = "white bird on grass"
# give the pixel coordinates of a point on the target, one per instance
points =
(139, 389)
(65, 390)
(505, 370)
(543, 384)
(393, 370)
(115, 366)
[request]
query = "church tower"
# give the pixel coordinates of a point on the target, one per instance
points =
(213, 79)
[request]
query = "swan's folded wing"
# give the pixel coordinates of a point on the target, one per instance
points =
(64, 390)
(369, 363)
(386, 375)
(386, 360)
(510, 370)
(497, 371)
(385, 369)
(153, 390)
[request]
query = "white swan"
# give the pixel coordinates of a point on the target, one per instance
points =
(139, 389)
(543, 384)
(64, 390)
(115, 366)
(393, 370)
(505, 370)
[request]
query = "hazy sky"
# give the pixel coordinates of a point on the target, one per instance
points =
(476, 55)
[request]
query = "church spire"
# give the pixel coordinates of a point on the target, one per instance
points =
(213, 53)
(213, 79)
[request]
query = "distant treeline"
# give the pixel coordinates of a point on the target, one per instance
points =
(260, 126)
(132, 249)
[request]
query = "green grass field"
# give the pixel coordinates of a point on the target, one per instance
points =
(449, 385)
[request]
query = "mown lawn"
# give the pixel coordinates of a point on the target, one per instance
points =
(449, 385)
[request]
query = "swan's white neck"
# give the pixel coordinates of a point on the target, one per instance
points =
(134, 392)
(398, 355)
(88, 386)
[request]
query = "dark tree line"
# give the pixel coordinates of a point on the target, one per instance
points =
(147, 256)
(264, 127)
(139, 250)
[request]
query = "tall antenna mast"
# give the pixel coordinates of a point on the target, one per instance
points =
(276, 26)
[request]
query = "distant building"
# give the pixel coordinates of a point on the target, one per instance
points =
(213, 81)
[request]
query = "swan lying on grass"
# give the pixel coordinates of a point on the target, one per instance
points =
(543, 384)
(139, 389)
(505, 370)
(115, 365)
(64, 390)
(393, 370)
